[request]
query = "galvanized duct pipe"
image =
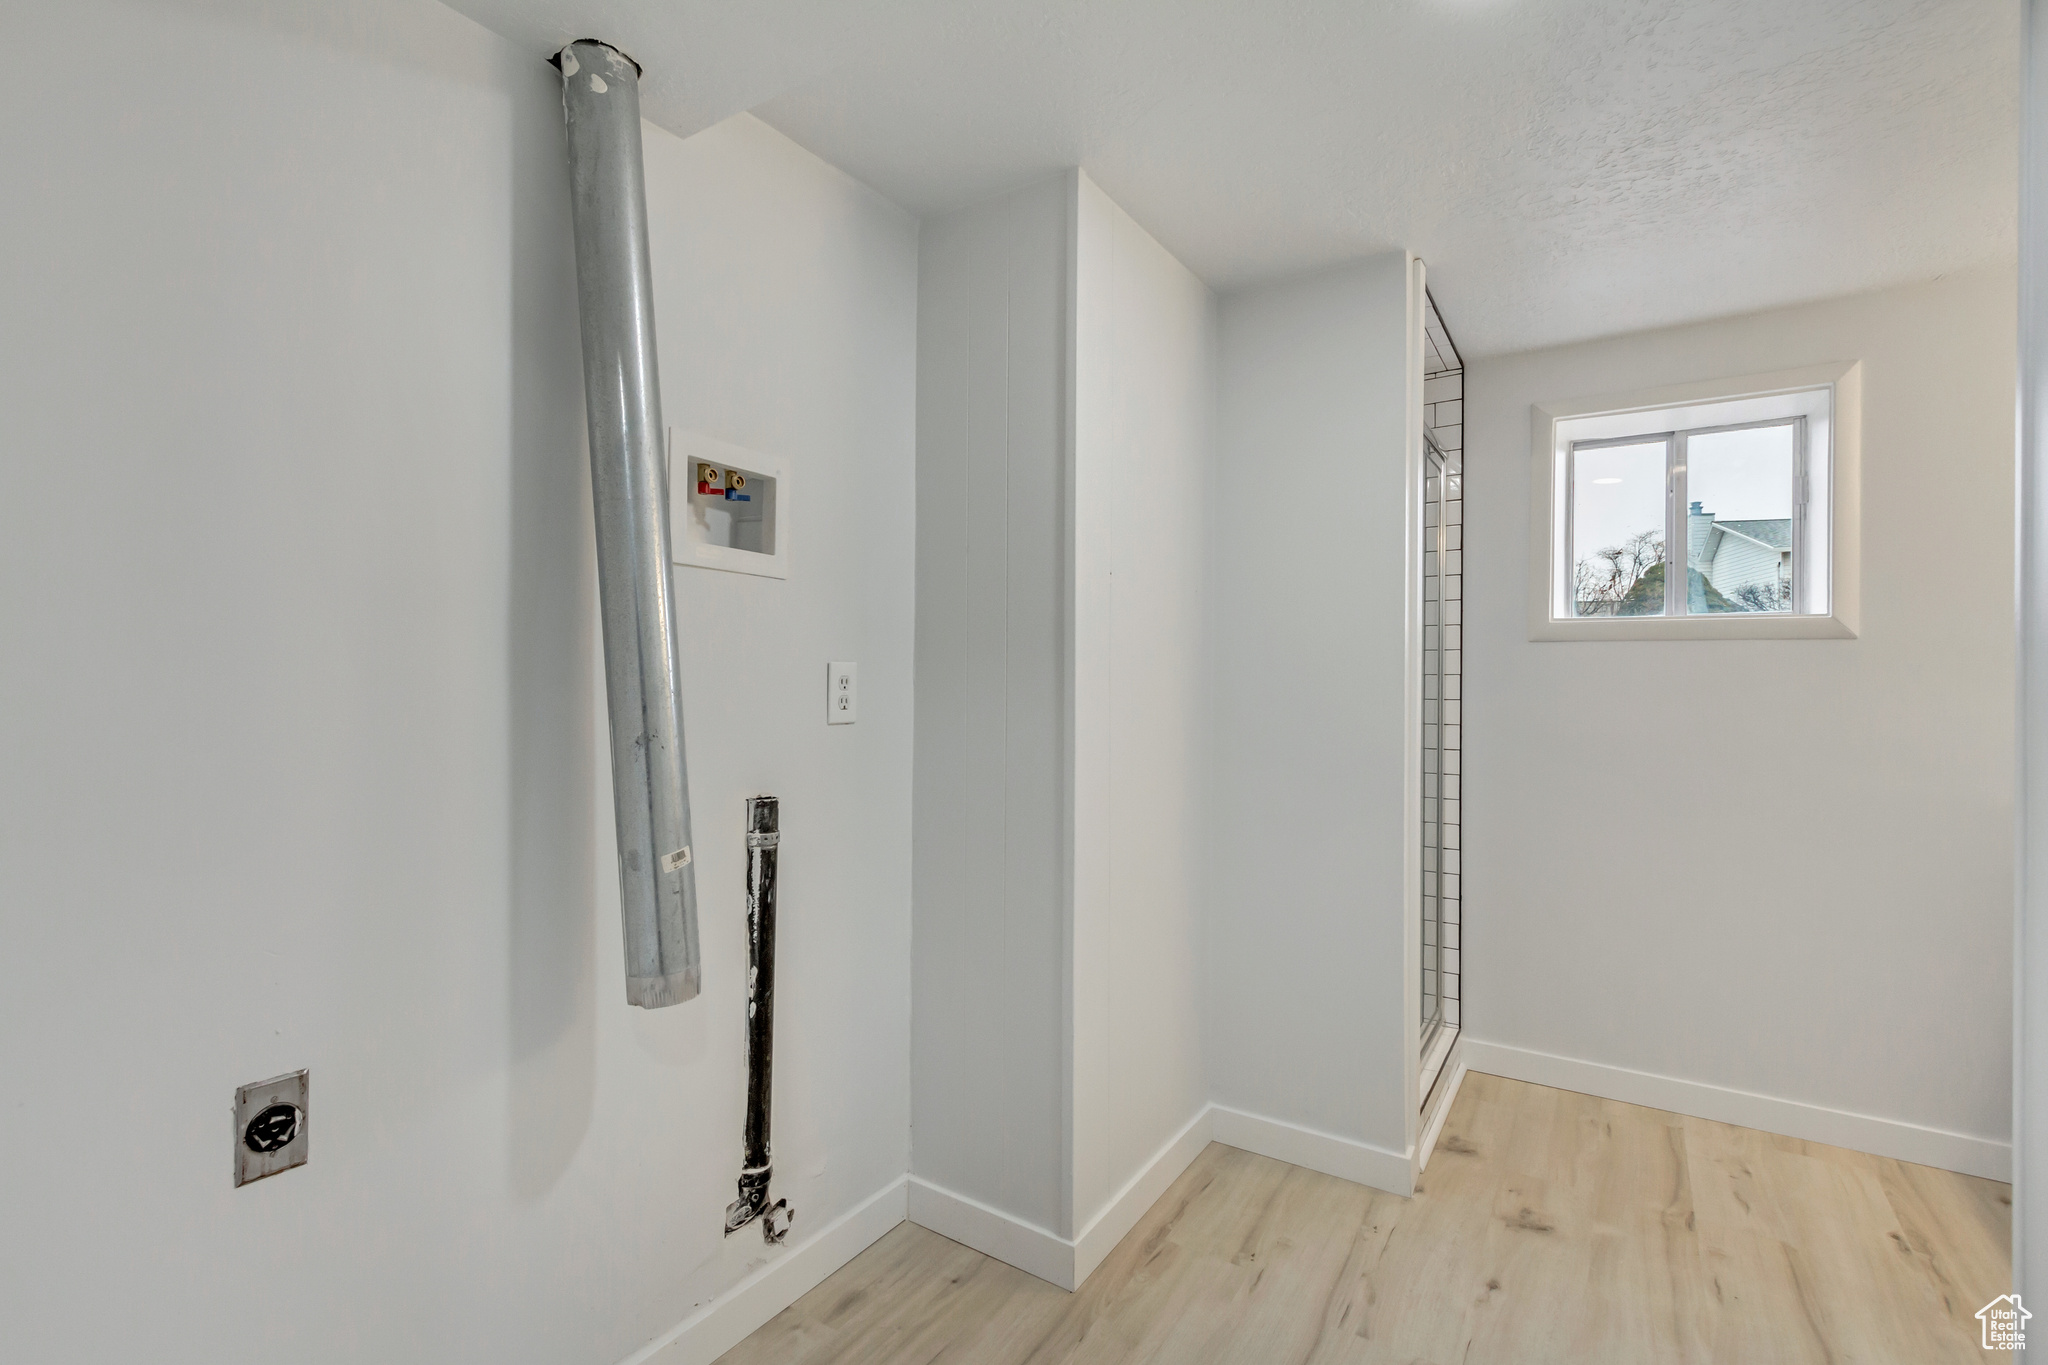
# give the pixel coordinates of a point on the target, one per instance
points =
(629, 484)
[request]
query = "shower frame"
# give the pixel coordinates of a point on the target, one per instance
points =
(1439, 739)
(1439, 1029)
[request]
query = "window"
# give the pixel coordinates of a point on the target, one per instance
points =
(1731, 499)
(1717, 510)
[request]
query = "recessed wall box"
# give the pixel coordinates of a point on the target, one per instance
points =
(728, 506)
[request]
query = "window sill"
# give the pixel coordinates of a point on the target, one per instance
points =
(1758, 627)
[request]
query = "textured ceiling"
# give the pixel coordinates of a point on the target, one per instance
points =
(1568, 168)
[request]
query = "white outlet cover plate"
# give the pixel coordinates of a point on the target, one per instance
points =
(842, 693)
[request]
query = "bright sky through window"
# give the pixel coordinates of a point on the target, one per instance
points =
(1741, 475)
(1621, 493)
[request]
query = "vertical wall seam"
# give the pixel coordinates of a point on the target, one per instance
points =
(1113, 369)
(2028, 1221)
(1003, 871)
(1065, 587)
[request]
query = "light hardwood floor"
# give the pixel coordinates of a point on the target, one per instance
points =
(1551, 1227)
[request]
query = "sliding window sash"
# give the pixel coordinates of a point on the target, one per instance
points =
(1678, 504)
(1571, 513)
(1678, 518)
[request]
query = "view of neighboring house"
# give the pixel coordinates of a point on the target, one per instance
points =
(1739, 565)
(1747, 562)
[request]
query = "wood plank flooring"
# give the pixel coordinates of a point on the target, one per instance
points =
(1551, 1227)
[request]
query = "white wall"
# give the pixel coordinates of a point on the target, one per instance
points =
(2030, 939)
(1780, 866)
(991, 1084)
(302, 711)
(1144, 399)
(1066, 388)
(1311, 922)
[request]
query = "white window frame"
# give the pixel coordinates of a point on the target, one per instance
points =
(1825, 401)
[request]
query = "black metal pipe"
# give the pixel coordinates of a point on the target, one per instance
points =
(757, 1167)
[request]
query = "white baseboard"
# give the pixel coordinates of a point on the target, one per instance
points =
(1978, 1156)
(1453, 1076)
(730, 1318)
(1346, 1158)
(1044, 1253)
(1117, 1217)
(1053, 1258)
(1027, 1246)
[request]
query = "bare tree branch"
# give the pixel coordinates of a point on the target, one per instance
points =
(1601, 583)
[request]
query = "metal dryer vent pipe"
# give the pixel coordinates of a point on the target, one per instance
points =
(629, 487)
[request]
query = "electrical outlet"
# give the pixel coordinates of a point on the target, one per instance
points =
(270, 1126)
(842, 694)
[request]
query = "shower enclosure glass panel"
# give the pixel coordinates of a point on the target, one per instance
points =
(1442, 747)
(1443, 702)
